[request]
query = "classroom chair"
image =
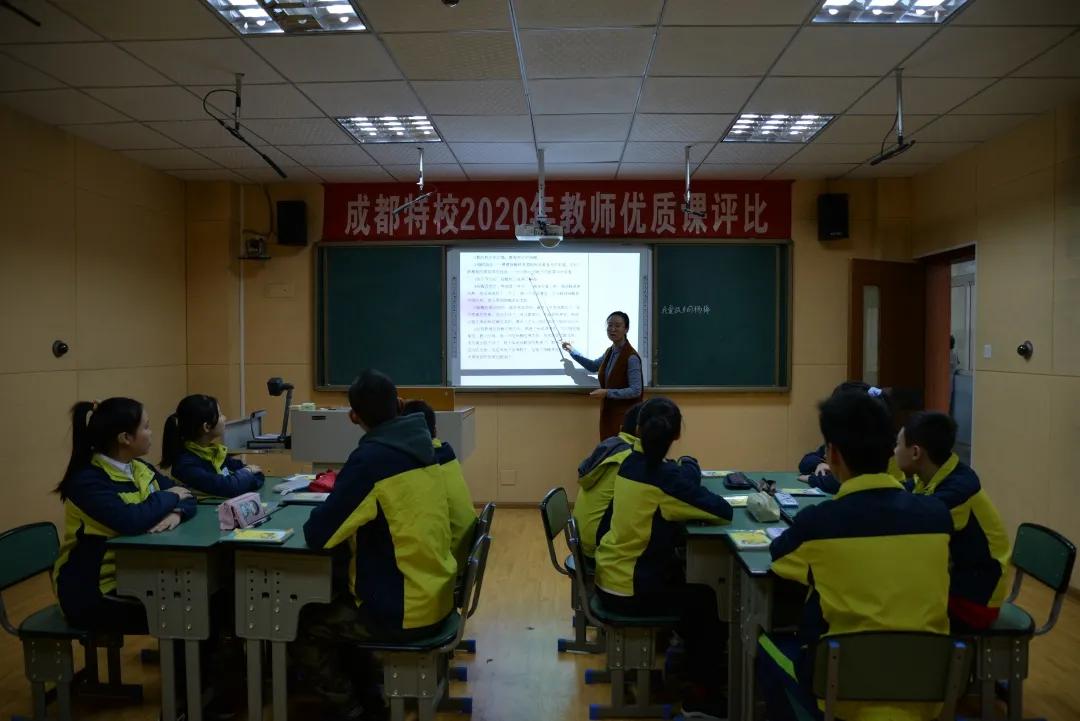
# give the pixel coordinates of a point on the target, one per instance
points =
(891, 666)
(1001, 652)
(468, 645)
(25, 552)
(419, 670)
(631, 644)
(555, 512)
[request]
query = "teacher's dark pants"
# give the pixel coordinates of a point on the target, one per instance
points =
(611, 416)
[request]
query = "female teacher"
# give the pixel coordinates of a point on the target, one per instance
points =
(619, 373)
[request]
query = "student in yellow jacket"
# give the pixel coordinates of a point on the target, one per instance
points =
(596, 478)
(875, 558)
(389, 514)
(637, 569)
(979, 548)
(462, 510)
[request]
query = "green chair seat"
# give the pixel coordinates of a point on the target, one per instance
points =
(619, 619)
(1012, 621)
(439, 637)
(49, 622)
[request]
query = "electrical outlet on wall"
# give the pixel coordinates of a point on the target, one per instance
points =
(987, 350)
(507, 477)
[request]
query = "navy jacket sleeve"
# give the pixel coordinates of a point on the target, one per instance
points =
(957, 489)
(351, 487)
(827, 483)
(95, 494)
(198, 474)
(812, 460)
(187, 507)
(689, 500)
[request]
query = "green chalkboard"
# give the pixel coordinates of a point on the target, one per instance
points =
(380, 307)
(722, 315)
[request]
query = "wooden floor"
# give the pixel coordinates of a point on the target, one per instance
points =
(517, 675)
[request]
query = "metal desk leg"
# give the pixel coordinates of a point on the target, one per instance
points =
(254, 679)
(194, 680)
(737, 710)
(168, 679)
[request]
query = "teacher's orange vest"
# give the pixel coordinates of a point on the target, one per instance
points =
(612, 410)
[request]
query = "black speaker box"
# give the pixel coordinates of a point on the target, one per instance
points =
(832, 216)
(292, 222)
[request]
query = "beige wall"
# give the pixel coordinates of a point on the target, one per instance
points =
(91, 252)
(1017, 198)
(528, 442)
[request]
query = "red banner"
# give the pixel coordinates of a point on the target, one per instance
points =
(584, 209)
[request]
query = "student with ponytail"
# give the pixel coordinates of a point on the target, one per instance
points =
(107, 492)
(192, 447)
(638, 571)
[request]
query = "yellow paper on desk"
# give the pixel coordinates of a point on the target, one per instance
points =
(258, 535)
(715, 474)
(737, 501)
(750, 539)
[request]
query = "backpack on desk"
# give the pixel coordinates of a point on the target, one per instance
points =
(738, 482)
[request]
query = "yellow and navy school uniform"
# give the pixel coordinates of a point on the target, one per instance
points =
(596, 478)
(979, 548)
(211, 471)
(459, 501)
(875, 558)
(646, 522)
(104, 500)
(389, 506)
(828, 482)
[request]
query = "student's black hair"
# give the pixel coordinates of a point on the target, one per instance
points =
(861, 429)
(419, 406)
(882, 395)
(630, 420)
(659, 423)
(186, 424)
(934, 432)
(94, 428)
(373, 397)
(624, 316)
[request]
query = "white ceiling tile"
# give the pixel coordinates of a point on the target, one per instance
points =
(198, 133)
(121, 136)
(56, 25)
(455, 56)
(807, 95)
(307, 131)
(405, 153)
(808, 171)
(501, 171)
(88, 64)
(711, 12)
(652, 171)
(157, 103)
(607, 95)
(205, 62)
(583, 171)
(170, 159)
(921, 95)
(355, 174)
(926, 152)
(1062, 61)
(596, 126)
(494, 153)
(61, 107)
(586, 53)
(582, 152)
(506, 128)
(262, 101)
(980, 51)
(386, 16)
(669, 126)
(329, 58)
(243, 158)
(472, 97)
(695, 95)
(606, 13)
(205, 175)
(858, 49)
(327, 155)
(433, 172)
(650, 152)
(16, 75)
(753, 152)
(130, 19)
(890, 169)
(351, 99)
(1022, 95)
(1010, 12)
(837, 153)
(741, 171)
(266, 174)
(868, 128)
(968, 128)
(683, 51)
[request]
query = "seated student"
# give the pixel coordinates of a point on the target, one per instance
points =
(390, 515)
(109, 491)
(979, 548)
(462, 511)
(596, 476)
(192, 447)
(637, 569)
(875, 559)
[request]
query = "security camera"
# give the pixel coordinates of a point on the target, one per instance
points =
(451, 3)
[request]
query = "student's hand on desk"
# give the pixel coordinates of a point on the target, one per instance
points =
(167, 523)
(804, 478)
(822, 469)
(253, 469)
(599, 393)
(184, 493)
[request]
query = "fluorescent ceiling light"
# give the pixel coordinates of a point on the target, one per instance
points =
(299, 17)
(390, 129)
(778, 128)
(887, 11)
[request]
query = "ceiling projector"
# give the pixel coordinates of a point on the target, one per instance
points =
(540, 231)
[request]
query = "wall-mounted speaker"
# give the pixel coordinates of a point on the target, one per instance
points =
(292, 222)
(832, 216)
